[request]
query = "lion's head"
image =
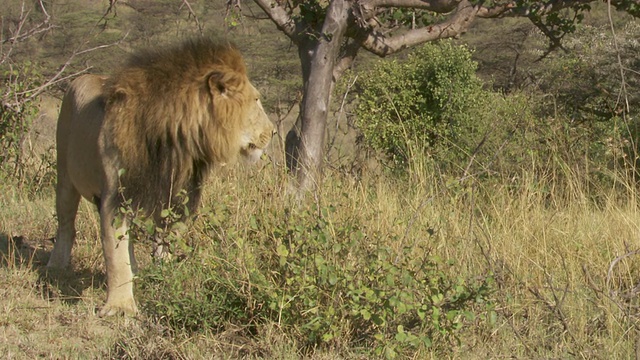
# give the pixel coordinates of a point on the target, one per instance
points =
(259, 129)
(238, 98)
(214, 114)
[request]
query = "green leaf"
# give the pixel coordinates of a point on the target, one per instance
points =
(327, 337)
(282, 250)
(365, 314)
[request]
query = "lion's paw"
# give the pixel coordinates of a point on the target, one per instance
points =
(126, 308)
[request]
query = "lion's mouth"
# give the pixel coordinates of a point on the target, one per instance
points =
(252, 153)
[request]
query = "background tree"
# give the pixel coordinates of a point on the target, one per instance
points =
(329, 35)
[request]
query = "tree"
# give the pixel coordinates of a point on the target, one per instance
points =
(330, 33)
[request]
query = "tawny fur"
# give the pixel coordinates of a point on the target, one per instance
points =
(157, 126)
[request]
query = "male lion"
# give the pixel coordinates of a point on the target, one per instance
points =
(154, 128)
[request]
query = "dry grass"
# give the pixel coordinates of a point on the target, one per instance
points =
(565, 269)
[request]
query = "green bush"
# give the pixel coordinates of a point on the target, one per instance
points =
(24, 163)
(334, 282)
(326, 281)
(430, 110)
(17, 110)
(424, 100)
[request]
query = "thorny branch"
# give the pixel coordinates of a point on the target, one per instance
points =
(17, 35)
(44, 26)
(15, 100)
(57, 77)
(193, 15)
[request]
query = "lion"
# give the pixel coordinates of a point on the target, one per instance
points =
(153, 129)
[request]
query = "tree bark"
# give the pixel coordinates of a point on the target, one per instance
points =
(318, 56)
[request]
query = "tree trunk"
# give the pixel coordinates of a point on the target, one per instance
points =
(305, 142)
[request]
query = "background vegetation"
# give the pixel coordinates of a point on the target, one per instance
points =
(480, 202)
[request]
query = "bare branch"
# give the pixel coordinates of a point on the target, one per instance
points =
(57, 77)
(623, 81)
(439, 6)
(615, 261)
(30, 94)
(346, 59)
(455, 25)
(18, 35)
(280, 17)
(193, 14)
(99, 47)
(113, 7)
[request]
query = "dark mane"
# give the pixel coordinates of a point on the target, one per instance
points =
(186, 58)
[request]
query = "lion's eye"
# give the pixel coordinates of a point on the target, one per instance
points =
(252, 146)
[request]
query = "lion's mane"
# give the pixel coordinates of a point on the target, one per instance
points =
(165, 125)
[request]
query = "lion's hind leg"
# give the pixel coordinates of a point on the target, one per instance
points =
(67, 200)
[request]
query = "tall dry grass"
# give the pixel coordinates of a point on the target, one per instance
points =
(564, 266)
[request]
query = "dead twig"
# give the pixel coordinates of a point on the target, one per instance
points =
(628, 294)
(192, 13)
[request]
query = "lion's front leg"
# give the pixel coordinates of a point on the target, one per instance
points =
(119, 262)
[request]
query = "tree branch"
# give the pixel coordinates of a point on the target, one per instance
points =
(505, 9)
(439, 6)
(512, 9)
(455, 25)
(18, 35)
(346, 59)
(192, 14)
(280, 17)
(31, 94)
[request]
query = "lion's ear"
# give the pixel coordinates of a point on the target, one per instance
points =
(117, 98)
(223, 82)
(119, 95)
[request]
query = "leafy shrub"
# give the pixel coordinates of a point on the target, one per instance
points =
(424, 100)
(16, 113)
(433, 104)
(337, 283)
(187, 295)
(324, 280)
